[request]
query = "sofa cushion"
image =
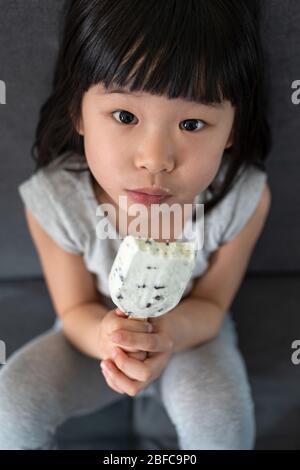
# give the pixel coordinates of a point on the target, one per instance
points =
(35, 36)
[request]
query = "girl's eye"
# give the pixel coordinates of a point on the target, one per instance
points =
(125, 117)
(191, 124)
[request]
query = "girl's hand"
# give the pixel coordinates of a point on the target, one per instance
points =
(117, 322)
(128, 375)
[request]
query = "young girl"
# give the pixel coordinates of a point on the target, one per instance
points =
(164, 95)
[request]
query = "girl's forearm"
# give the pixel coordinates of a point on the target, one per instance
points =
(196, 321)
(81, 326)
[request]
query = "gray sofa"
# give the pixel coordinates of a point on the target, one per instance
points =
(266, 309)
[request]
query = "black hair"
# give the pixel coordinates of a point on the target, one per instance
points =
(200, 50)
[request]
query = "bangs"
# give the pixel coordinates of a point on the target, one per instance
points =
(204, 51)
(201, 51)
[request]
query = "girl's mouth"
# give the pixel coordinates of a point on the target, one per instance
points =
(146, 199)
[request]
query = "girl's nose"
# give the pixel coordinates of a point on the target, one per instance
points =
(155, 157)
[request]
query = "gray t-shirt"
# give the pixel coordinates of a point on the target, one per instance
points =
(65, 205)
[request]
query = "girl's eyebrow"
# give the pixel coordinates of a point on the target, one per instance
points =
(124, 91)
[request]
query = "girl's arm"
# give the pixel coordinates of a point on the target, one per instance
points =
(198, 318)
(72, 290)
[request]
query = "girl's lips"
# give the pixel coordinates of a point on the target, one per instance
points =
(146, 198)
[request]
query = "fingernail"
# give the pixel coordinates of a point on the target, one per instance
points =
(150, 327)
(121, 312)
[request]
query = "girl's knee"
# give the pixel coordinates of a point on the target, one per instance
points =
(217, 427)
(211, 407)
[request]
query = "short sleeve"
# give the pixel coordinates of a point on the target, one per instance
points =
(47, 202)
(242, 201)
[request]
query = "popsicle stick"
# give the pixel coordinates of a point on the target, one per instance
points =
(132, 318)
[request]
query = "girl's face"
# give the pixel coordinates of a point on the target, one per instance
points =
(135, 140)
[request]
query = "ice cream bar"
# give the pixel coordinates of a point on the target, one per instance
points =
(148, 278)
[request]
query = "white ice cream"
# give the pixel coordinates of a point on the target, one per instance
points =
(148, 278)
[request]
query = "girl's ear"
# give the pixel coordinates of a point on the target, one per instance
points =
(79, 127)
(230, 139)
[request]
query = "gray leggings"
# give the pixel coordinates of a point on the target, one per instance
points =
(204, 390)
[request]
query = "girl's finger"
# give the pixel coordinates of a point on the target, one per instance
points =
(121, 381)
(150, 342)
(139, 355)
(112, 386)
(120, 313)
(132, 325)
(156, 362)
(133, 368)
(109, 381)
